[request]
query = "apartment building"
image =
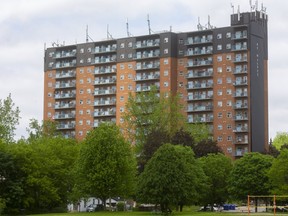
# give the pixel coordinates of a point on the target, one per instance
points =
(219, 73)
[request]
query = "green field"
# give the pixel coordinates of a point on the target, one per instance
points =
(151, 214)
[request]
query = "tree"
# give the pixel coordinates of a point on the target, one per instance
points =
(46, 129)
(106, 165)
(249, 176)
(172, 177)
(205, 147)
(9, 118)
(217, 168)
(278, 174)
(182, 137)
(149, 111)
(280, 139)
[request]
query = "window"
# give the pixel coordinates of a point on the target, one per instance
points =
(50, 84)
(49, 114)
(130, 44)
(220, 115)
(228, 35)
(49, 74)
(51, 64)
(219, 127)
(89, 70)
(228, 91)
(228, 69)
(180, 62)
(228, 46)
(166, 72)
(229, 103)
(121, 120)
(228, 80)
(81, 91)
(229, 138)
(181, 73)
(130, 66)
(122, 66)
(229, 126)
(80, 122)
(130, 76)
(81, 102)
(121, 98)
(88, 101)
(88, 111)
(81, 61)
(229, 150)
(219, 138)
(80, 133)
(129, 87)
(121, 88)
(219, 92)
(88, 122)
(219, 47)
(219, 36)
(49, 94)
(166, 40)
(80, 112)
(82, 50)
(181, 41)
(51, 54)
(181, 52)
(166, 84)
(219, 81)
(88, 80)
(165, 61)
(121, 109)
(219, 69)
(165, 51)
(49, 104)
(89, 49)
(122, 56)
(130, 55)
(122, 77)
(229, 115)
(219, 103)
(181, 84)
(89, 91)
(122, 45)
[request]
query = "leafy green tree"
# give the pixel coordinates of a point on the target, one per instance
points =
(280, 139)
(278, 174)
(205, 147)
(172, 177)
(46, 129)
(106, 165)
(182, 137)
(198, 131)
(150, 111)
(217, 168)
(9, 118)
(249, 176)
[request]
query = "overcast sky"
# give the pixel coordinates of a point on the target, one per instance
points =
(26, 25)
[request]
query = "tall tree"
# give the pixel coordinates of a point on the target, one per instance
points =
(9, 118)
(278, 174)
(106, 165)
(172, 177)
(150, 111)
(280, 139)
(249, 176)
(205, 147)
(39, 130)
(217, 168)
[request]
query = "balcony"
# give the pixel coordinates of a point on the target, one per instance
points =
(199, 85)
(199, 63)
(241, 117)
(64, 116)
(110, 112)
(104, 102)
(241, 140)
(239, 35)
(148, 66)
(105, 81)
(147, 44)
(241, 106)
(64, 54)
(144, 88)
(199, 52)
(199, 74)
(69, 134)
(98, 122)
(65, 95)
(105, 49)
(144, 77)
(105, 92)
(103, 60)
(240, 71)
(65, 85)
(240, 82)
(199, 97)
(240, 59)
(240, 153)
(105, 70)
(241, 129)
(69, 105)
(240, 94)
(202, 108)
(199, 40)
(239, 47)
(63, 126)
(65, 64)
(147, 55)
(63, 74)
(200, 120)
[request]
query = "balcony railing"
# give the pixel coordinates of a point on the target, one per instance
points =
(199, 85)
(199, 108)
(240, 129)
(239, 47)
(240, 94)
(199, 74)
(64, 116)
(241, 106)
(240, 117)
(104, 102)
(105, 70)
(103, 49)
(199, 63)
(104, 113)
(200, 120)
(148, 66)
(65, 54)
(65, 95)
(147, 55)
(65, 64)
(65, 105)
(146, 44)
(240, 71)
(105, 81)
(198, 40)
(240, 59)
(199, 97)
(65, 74)
(97, 122)
(241, 141)
(147, 77)
(65, 85)
(239, 35)
(66, 126)
(240, 83)
(199, 52)
(105, 91)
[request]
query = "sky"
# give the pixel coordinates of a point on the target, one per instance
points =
(28, 26)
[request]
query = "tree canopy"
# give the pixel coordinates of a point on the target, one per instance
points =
(280, 139)
(172, 177)
(106, 165)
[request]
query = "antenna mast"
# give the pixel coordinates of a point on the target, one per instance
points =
(149, 28)
(127, 28)
(109, 36)
(87, 35)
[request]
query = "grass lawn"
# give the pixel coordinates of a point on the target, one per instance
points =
(187, 213)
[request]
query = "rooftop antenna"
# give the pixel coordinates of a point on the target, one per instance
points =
(238, 11)
(109, 36)
(149, 28)
(87, 35)
(232, 6)
(127, 28)
(199, 26)
(209, 25)
(251, 7)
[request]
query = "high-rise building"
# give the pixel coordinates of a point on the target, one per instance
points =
(219, 73)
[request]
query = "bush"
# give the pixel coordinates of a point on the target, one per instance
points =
(120, 206)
